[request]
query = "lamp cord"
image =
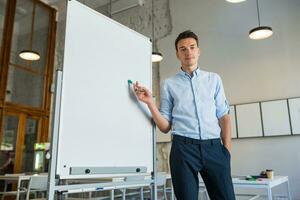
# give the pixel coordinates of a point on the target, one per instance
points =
(152, 14)
(258, 13)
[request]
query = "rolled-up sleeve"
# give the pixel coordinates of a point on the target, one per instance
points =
(222, 105)
(166, 102)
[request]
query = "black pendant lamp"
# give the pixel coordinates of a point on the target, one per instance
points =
(260, 32)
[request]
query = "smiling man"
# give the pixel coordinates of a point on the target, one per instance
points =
(194, 107)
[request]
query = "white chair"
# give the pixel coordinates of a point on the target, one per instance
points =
(37, 184)
(161, 179)
(203, 191)
(20, 190)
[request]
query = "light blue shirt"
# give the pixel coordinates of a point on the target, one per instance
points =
(193, 104)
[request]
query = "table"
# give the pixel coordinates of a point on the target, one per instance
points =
(266, 184)
(19, 178)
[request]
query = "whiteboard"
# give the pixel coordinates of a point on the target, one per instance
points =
(249, 120)
(294, 105)
(102, 124)
(276, 118)
(233, 122)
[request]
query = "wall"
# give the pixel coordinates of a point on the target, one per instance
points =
(251, 70)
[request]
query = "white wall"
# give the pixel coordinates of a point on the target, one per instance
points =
(251, 70)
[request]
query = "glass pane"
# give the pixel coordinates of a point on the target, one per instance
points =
(8, 144)
(40, 37)
(21, 31)
(31, 29)
(24, 87)
(2, 16)
(30, 140)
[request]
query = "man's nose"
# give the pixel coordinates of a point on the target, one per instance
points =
(188, 51)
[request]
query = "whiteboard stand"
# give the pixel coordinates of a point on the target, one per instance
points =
(55, 184)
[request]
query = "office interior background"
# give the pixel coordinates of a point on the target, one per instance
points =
(252, 71)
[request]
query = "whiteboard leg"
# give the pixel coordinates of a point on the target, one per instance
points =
(288, 191)
(112, 195)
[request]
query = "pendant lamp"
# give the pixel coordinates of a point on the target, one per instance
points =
(260, 32)
(29, 55)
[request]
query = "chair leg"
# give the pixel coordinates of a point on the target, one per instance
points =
(206, 194)
(165, 192)
(141, 193)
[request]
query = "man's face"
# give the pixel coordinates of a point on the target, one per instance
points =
(188, 52)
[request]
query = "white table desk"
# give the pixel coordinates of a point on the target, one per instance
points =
(19, 178)
(266, 184)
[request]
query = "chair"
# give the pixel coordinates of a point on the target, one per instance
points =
(161, 179)
(37, 184)
(20, 190)
(203, 191)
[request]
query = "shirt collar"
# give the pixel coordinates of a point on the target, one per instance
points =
(196, 72)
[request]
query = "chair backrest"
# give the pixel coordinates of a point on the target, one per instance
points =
(161, 178)
(37, 183)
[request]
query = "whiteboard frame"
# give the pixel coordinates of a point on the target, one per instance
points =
(294, 110)
(232, 114)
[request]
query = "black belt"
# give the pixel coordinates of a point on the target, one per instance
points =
(196, 141)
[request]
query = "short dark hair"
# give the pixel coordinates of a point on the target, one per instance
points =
(186, 34)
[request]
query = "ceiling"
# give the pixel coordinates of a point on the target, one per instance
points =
(90, 3)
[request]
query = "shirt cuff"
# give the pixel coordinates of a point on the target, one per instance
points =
(223, 111)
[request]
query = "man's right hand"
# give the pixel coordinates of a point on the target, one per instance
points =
(143, 93)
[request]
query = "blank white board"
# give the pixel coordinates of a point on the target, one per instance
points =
(249, 120)
(102, 124)
(233, 122)
(294, 105)
(275, 118)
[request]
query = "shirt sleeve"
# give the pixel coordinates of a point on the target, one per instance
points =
(222, 105)
(166, 102)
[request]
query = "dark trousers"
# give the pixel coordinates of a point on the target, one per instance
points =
(209, 158)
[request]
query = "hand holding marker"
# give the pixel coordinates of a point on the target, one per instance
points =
(142, 93)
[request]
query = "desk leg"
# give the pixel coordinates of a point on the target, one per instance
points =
(142, 193)
(123, 194)
(288, 190)
(269, 194)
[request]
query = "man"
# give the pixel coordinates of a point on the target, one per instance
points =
(194, 107)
